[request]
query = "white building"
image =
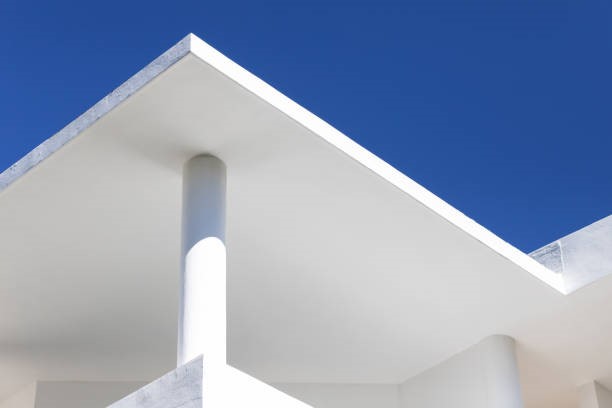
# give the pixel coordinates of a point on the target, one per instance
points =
(348, 284)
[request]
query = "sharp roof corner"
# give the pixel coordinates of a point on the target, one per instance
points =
(191, 44)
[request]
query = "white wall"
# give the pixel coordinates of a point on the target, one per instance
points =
(24, 398)
(594, 395)
(344, 395)
(604, 396)
(588, 396)
(483, 376)
(81, 394)
(456, 380)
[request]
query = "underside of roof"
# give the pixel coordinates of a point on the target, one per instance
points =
(341, 269)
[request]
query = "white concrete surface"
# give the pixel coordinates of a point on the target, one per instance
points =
(195, 385)
(581, 257)
(180, 388)
(69, 394)
(103, 107)
(340, 268)
(195, 46)
(293, 315)
(588, 396)
(82, 394)
(344, 395)
(604, 396)
(25, 397)
(484, 376)
(233, 388)
(595, 395)
(202, 301)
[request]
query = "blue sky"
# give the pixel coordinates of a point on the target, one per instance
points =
(503, 108)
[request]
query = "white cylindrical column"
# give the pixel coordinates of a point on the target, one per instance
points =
(502, 382)
(202, 324)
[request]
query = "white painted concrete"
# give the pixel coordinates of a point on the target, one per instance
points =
(344, 395)
(581, 257)
(594, 395)
(484, 376)
(202, 377)
(502, 381)
(70, 394)
(103, 107)
(237, 389)
(181, 387)
(23, 398)
(396, 267)
(196, 385)
(195, 46)
(604, 396)
(282, 296)
(82, 394)
(587, 395)
(202, 307)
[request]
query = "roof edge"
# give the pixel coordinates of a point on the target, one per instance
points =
(194, 45)
(374, 163)
(581, 257)
(101, 108)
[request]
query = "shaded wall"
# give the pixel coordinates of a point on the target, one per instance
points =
(344, 395)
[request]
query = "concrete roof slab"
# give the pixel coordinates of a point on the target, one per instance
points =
(341, 269)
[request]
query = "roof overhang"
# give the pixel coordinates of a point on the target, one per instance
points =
(341, 268)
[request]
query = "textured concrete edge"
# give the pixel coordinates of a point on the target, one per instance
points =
(104, 106)
(581, 257)
(300, 115)
(550, 255)
(180, 388)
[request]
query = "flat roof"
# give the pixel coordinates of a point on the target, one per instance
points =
(340, 267)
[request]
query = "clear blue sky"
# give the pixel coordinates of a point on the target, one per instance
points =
(501, 107)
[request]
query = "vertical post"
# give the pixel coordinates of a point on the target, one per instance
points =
(202, 309)
(502, 381)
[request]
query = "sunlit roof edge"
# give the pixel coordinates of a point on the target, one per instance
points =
(196, 46)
